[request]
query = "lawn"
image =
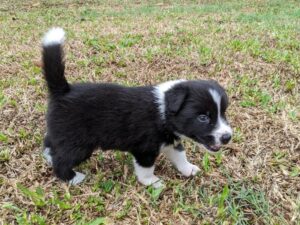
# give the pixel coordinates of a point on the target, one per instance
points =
(250, 47)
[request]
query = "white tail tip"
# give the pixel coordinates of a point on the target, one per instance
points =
(54, 36)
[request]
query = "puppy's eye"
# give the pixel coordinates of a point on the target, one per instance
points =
(203, 118)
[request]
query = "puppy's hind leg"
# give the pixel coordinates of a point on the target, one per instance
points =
(77, 179)
(63, 169)
(64, 160)
(47, 150)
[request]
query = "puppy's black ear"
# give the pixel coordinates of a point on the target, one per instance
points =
(175, 99)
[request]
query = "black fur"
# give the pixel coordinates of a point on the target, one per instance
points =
(84, 117)
(54, 69)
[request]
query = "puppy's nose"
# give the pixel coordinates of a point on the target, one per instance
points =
(225, 138)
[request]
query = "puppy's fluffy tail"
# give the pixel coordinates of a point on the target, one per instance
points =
(53, 62)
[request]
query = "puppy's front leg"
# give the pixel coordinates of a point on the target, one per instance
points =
(176, 154)
(144, 170)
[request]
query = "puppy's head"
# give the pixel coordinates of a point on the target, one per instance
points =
(196, 109)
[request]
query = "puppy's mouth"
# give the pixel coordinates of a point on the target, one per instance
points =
(212, 148)
(209, 147)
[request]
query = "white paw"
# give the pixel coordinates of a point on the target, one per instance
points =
(47, 156)
(158, 184)
(78, 178)
(189, 170)
(153, 180)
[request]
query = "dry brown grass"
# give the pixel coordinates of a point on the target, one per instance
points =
(251, 48)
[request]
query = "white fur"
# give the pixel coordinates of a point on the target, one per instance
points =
(54, 36)
(146, 175)
(159, 93)
(78, 178)
(179, 160)
(47, 156)
(222, 127)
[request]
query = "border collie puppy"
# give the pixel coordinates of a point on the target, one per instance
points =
(143, 120)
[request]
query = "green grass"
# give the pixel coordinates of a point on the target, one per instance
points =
(251, 47)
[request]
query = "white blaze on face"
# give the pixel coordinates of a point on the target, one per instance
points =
(221, 127)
